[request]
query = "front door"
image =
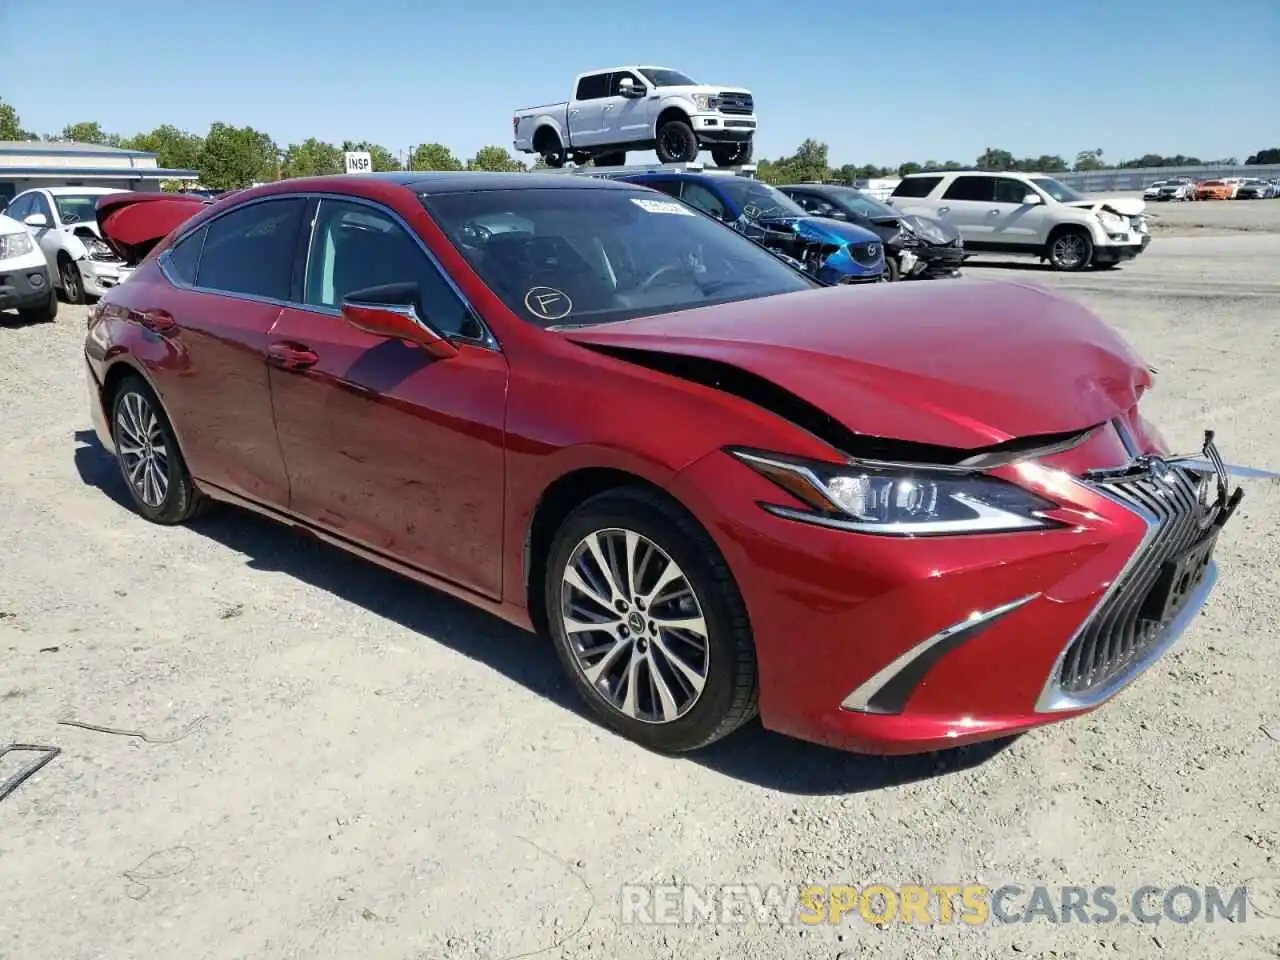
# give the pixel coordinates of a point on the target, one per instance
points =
(385, 445)
(1015, 222)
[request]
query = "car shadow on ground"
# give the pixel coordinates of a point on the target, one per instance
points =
(1033, 266)
(11, 319)
(753, 755)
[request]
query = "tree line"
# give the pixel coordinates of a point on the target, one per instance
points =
(228, 157)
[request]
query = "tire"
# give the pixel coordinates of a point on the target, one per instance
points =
(676, 143)
(1069, 249)
(892, 272)
(611, 159)
(45, 313)
(164, 494)
(733, 154)
(72, 282)
(551, 149)
(691, 714)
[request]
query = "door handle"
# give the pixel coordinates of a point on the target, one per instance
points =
(944, 209)
(291, 356)
(159, 321)
(993, 213)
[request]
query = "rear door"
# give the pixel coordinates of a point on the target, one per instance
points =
(586, 111)
(385, 445)
(208, 307)
(968, 203)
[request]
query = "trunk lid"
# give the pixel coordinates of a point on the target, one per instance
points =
(963, 364)
(133, 223)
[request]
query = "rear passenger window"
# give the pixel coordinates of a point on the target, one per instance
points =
(593, 88)
(183, 257)
(696, 195)
(251, 250)
(916, 186)
(981, 189)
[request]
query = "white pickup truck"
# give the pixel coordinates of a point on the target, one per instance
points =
(639, 108)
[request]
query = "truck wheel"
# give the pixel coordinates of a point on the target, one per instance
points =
(732, 154)
(612, 159)
(677, 143)
(580, 159)
(1070, 248)
(548, 144)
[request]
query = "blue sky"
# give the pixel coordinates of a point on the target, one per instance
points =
(917, 82)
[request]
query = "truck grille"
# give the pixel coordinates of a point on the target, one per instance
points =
(1124, 626)
(740, 104)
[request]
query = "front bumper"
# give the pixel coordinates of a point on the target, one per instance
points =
(937, 261)
(726, 128)
(24, 287)
(895, 645)
(1134, 245)
(99, 276)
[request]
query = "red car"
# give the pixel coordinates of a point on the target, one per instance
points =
(888, 519)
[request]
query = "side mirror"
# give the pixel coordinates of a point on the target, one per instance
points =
(36, 220)
(389, 311)
(1031, 199)
(628, 89)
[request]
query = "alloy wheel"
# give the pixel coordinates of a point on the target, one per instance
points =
(71, 282)
(1068, 250)
(635, 626)
(142, 448)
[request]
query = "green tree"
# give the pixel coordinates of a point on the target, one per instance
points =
(433, 156)
(235, 157)
(1270, 155)
(381, 158)
(908, 168)
(994, 159)
(174, 149)
(311, 158)
(88, 133)
(1089, 160)
(495, 159)
(10, 125)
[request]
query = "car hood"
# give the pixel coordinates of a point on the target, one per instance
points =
(1126, 206)
(133, 223)
(964, 364)
(820, 229)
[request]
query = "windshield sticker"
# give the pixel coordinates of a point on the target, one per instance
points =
(663, 206)
(548, 303)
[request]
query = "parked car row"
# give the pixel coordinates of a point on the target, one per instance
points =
(891, 519)
(1223, 188)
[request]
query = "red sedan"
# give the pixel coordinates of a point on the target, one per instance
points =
(889, 519)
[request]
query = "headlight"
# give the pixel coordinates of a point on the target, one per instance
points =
(1110, 219)
(702, 101)
(15, 245)
(899, 500)
(96, 249)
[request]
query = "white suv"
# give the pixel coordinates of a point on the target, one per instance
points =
(1030, 214)
(24, 276)
(64, 222)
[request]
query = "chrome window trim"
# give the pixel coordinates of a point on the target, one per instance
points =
(488, 340)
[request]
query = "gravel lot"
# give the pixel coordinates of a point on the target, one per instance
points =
(382, 772)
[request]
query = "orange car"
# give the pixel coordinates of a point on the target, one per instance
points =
(1214, 190)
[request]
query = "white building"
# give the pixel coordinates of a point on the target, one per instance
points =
(35, 163)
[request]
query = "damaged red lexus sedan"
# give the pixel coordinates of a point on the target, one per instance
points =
(889, 519)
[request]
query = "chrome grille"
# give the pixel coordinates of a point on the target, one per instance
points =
(1124, 626)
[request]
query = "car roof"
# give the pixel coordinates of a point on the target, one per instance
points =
(830, 189)
(706, 179)
(67, 191)
(460, 181)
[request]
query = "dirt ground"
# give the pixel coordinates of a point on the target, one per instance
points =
(364, 768)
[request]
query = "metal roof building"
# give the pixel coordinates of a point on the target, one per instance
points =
(37, 163)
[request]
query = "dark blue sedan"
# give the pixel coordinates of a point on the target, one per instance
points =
(830, 250)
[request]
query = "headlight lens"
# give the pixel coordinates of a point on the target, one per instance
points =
(97, 249)
(899, 500)
(702, 101)
(15, 245)
(1110, 219)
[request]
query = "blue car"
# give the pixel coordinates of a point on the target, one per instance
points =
(831, 251)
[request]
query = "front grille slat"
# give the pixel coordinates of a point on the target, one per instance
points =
(1121, 630)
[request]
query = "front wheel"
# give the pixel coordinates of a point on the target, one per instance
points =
(150, 461)
(44, 313)
(1070, 249)
(648, 623)
(677, 143)
(892, 272)
(72, 282)
(732, 154)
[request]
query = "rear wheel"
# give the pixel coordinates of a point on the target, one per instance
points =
(677, 143)
(150, 461)
(550, 148)
(69, 277)
(44, 313)
(732, 154)
(648, 622)
(1070, 249)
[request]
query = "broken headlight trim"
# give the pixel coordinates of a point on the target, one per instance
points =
(901, 500)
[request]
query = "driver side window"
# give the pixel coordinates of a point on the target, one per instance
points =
(355, 246)
(696, 195)
(1009, 190)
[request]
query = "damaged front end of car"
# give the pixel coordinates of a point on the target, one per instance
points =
(825, 253)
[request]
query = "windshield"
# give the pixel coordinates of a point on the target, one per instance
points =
(582, 256)
(857, 202)
(667, 78)
(77, 207)
(1059, 191)
(756, 199)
